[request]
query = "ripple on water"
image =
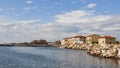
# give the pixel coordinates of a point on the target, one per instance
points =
(41, 57)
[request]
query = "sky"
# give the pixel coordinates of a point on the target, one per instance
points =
(27, 20)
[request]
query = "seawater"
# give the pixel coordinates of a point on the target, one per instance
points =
(49, 57)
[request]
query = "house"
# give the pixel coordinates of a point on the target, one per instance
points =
(73, 40)
(66, 41)
(63, 42)
(78, 39)
(93, 38)
(107, 40)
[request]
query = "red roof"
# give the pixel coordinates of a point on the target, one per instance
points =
(108, 37)
(76, 37)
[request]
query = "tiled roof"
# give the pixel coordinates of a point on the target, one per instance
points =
(108, 37)
(80, 36)
(93, 35)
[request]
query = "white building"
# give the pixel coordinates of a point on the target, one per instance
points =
(63, 42)
(78, 39)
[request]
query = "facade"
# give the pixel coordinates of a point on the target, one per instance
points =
(107, 40)
(66, 41)
(93, 38)
(78, 39)
(63, 42)
(73, 40)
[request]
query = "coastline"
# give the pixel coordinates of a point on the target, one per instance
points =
(103, 51)
(26, 45)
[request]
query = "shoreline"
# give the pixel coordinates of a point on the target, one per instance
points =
(104, 51)
(25, 45)
(111, 51)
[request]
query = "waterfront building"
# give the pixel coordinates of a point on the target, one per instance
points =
(63, 42)
(66, 41)
(93, 38)
(107, 40)
(78, 39)
(73, 40)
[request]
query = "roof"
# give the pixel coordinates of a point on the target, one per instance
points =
(108, 37)
(67, 38)
(93, 35)
(80, 36)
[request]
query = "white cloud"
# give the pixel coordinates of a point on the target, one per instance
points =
(29, 8)
(28, 21)
(29, 1)
(81, 16)
(7, 9)
(112, 28)
(71, 23)
(91, 5)
(83, 1)
(74, 2)
(88, 22)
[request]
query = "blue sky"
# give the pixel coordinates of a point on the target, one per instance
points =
(26, 20)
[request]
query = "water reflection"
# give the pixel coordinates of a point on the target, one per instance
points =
(40, 57)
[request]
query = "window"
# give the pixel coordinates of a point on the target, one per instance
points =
(103, 41)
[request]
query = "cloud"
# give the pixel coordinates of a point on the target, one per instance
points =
(88, 22)
(112, 28)
(7, 9)
(74, 2)
(81, 16)
(29, 1)
(76, 22)
(91, 5)
(83, 1)
(29, 8)
(8, 26)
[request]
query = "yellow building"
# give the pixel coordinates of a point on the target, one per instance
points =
(66, 41)
(107, 40)
(63, 42)
(93, 38)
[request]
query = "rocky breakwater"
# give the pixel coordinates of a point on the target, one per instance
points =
(107, 51)
(79, 46)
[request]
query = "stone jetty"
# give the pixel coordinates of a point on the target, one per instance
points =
(106, 50)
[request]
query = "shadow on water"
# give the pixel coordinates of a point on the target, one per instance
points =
(49, 57)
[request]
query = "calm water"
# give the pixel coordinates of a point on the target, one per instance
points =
(41, 57)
